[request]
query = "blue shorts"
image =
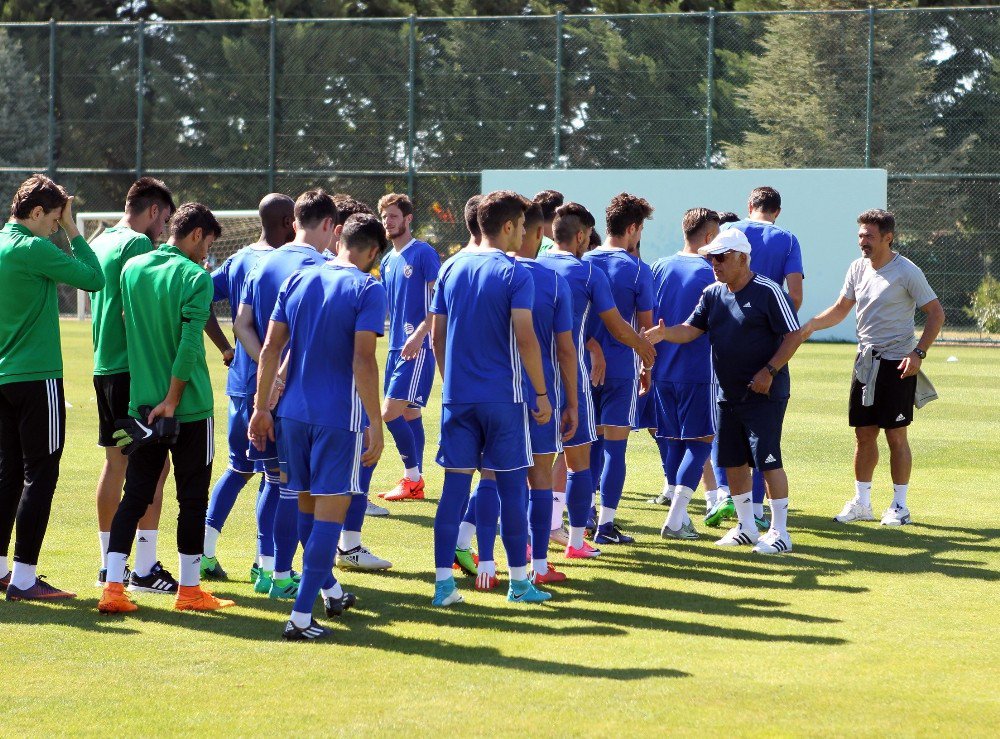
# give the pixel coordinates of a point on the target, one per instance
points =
(409, 380)
(494, 436)
(239, 422)
(645, 412)
(546, 439)
(270, 458)
(615, 402)
(750, 433)
(321, 460)
(685, 410)
(586, 431)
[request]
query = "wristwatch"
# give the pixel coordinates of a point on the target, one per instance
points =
(920, 353)
(771, 369)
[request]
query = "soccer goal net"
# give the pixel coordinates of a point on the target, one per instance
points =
(239, 228)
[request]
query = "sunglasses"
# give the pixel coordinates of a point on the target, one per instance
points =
(719, 257)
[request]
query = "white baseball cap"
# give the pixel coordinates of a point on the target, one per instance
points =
(732, 239)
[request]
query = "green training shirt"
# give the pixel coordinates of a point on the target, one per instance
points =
(30, 267)
(546, 244)
(113, 248)
(166, 299)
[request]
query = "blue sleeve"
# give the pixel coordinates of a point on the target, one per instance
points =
(699, 317)
(601, 298)
(438, 303)
(522, 288)
(780, 311)
(644, 293)
(563, 319)
(793, 262)
(280, 312)
(371, 308)
(220, 281)
(430, 264)
(248, 288)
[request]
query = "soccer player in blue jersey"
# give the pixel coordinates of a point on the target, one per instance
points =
(683, 381)
(753, 331)
(484, 342)
(277, 218)
(409, 271)
(591, 296)
(615, 401)
(330, 319)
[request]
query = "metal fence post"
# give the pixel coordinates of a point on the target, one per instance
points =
(557, 107)
(272, 50)
(709, 85)
(140, 93)
(52, 97)
(868, 92)
(411, 105)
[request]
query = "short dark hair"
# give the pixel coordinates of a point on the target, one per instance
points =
(312, 206)
(884, 220)
(533, 216)
(499, 207)
(190, 216)
(363, 231)
(626, 210)
(549, 200)
(347, 206)
(398, 199)
(696, 219)
(571, 219)
(727, 216)
(147, 191)
(471, 220)
(37, 190)
(765, 199)
(595, 240)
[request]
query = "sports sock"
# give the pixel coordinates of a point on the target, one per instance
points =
(267, 502)
(349, 540)
(613, 475)
(597, 457)
(285, 531)
(678, 507)
(779, 516)
(317, 562)
(116, 566)
(365, 478)
(744, 510)
(190, 575)
(558, 506)
(758, 510)
(863, 492)
(267, 564)
(540, 521)
(145, 551)
(671, 454)
(710, 497)
(454, 497)
(488, 566)
(519, 573)
(576, 534)
(211, 541)
(899, 494)
(579, 492)
(605, 515)
(487, 513)
(759, 486)
(417, 429)
(512, 488)
(355, 516)
(224, 495)
(5, 565)
(280, 575)
(24, 575)
(465, 533)
(668, 488)
(692, 463)
(335, 590)
(103, 536)
(304, 525)
(403, 436)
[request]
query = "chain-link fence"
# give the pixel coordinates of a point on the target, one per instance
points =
(228, 110)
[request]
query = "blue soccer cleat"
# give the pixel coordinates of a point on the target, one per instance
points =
(524, 591)
(446, 593)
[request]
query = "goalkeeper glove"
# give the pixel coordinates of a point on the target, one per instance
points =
(133, 433)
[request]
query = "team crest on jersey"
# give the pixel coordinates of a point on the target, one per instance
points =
(408, 270)
(407, 327)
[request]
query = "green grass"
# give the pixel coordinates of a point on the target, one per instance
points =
(862, 630)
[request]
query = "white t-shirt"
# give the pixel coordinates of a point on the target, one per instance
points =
(886, 299)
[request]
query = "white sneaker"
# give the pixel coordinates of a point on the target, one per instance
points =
(855, 510)
(896, 515)
(360, 558)
(738, 537)
(773, 543)
(376, 510)
(559, 536)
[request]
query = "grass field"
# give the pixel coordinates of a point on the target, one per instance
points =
(862, 630)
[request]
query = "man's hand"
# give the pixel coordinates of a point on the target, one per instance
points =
(544, 412)
(656, 334)
(376, 443)
(66, 219)
(647, 353)
(761, 382)
(570, 421)
(261, 429)
(411, 349)
(807, 329)
(910, 365)
(164, 410)
(597, 367)
(644, 382)
(227, 356)
(276, 390)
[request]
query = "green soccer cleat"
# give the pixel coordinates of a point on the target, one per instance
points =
(467, 561)
(524, 591)
(722, 510)
(263, 582)
(254, 573)
(763, 522)
(211, 569)
(285, 589)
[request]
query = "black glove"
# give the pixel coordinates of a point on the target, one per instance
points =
(133, 433)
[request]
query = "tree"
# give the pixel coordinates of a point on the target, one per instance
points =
(23, 115)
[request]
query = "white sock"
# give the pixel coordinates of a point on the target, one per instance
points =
(267, 564)
(283, 575)
(465, 532)
(576, 536)
(145, 551)
(116, 566)
(668, 489)
(710, 498)
(442, 573)
(412, 474)
(758, 510)
(105, 538)
(211, 540)
(678, 506)
(335, 592)
(863, 493)
(899, 494)
(190, 570)
(519, 573)
(4, 566)
(540, 566)
(558, 506)
(490, 567)
(744, 510)
(349, 540)
(606, 515)
(301, 620)
(779, 516)
(23, 576)
(723, 492)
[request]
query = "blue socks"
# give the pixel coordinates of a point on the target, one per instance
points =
(305, 527)
(417, 429)
(286, 536)
(597, 458)
(400, 429)
(613, 476)
(486, 515)
(759, 487)
(454, 497)
(267, 504)
(317, 563)
(356, 512)
(513, 488)
(470, 509)
(540, 522)
(720, 472)
(224, 498)
(579, 494)
(693, 463)
(671, 453)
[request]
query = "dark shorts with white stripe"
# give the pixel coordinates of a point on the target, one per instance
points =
(32, 434)
(112, 392)
(191, 455)
(894, 399)
(750, 433)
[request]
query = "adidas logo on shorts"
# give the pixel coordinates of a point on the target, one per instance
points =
(746, 305)
(770, 458)
(900, 417)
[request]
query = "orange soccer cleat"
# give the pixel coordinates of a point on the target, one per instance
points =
(553, 575)
(585, 552)
(485, 581)
(196, 598)
(407, 490)
(114, 599)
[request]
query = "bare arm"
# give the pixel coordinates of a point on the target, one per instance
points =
(439, 337)
(828, 318)
(794, 284)
(625, 334)
(682, 333)
(566, 353)
(169, 404)
(531, 358)
(261, 422)
(932, 327)
(214, 332)
(245, 333)
(366, 382)
(412, 346)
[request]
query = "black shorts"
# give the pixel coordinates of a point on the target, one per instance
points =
(750, 433)
(894, 398)
(32, 424)
(112, 404)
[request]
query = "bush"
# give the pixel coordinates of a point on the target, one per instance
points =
(985, 305)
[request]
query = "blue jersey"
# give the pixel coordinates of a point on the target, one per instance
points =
(228, 281)
(632, 288)
(775, 252)
(551, 314)
(745, 329)
(260, 290)
(324, 308)
(477, 290)
(678, 282)
(405, 274)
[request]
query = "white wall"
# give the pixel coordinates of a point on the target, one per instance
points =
(820, 206)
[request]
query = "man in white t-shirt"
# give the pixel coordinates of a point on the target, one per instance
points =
(886, 287)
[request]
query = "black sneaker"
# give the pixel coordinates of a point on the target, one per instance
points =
(102, 576)
(336, 606)
(41, 590)
(609, 533)
(157, 581)
(4, 582)
(313, 631)
(591, 527)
